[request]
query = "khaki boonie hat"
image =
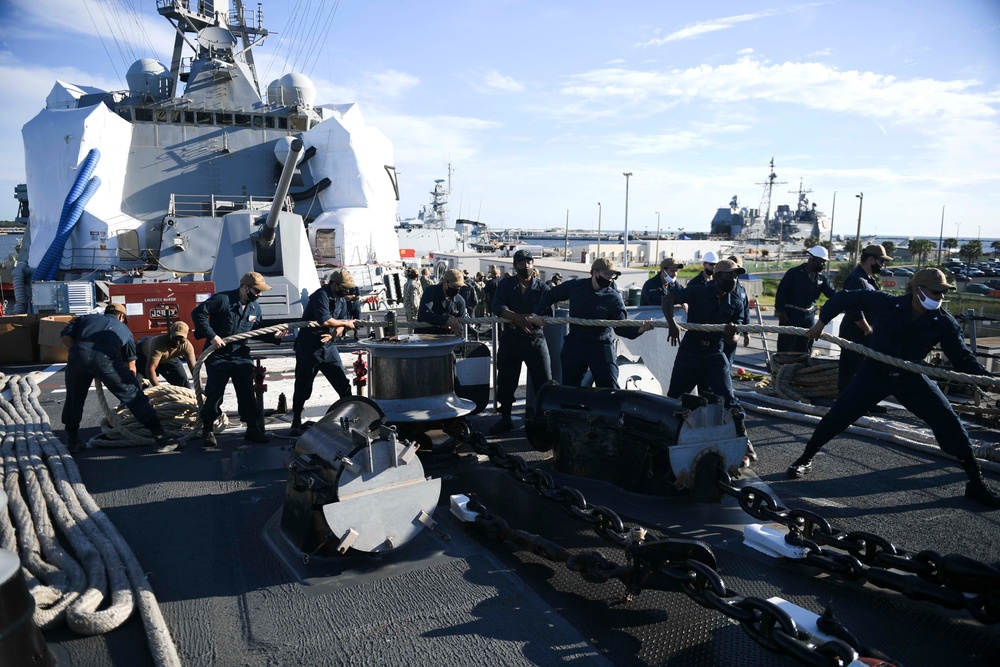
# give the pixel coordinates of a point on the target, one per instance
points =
(344, 278)
(876, 250)
(729, 266)
(932, 278)
(604, 264)
(254, 280)
(116, 309)
(455, 277)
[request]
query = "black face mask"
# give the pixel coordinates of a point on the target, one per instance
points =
(709, 270)
(523, 273)
(725, 284)
(602, 282)
(877, 269)
(251, 295)
(452, 292)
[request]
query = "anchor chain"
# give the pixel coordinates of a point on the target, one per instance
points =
(682, 565)
(952, 581)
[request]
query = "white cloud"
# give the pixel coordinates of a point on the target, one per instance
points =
(494, 81)
(744, 52)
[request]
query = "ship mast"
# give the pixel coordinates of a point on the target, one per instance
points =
(765, 203)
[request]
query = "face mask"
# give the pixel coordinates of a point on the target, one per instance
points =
(251, 295)
(667, 278)
(927, 302)
(725, 284)
(709, 270)
(602, 282)
(452, 292)
(877, 269)
(523, 273)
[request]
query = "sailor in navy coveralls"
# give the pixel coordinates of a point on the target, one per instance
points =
(520, 341)
(590, 347)
(795, 300)
(315, 350)
(654, 288)
(906, 327)
(700, 357)
(226, 314)
(442, 304)
(856, 326)
(102, 347)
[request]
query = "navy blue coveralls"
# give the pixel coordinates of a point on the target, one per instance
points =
(223, 315)
(796, 297)
(102, 348)
(436, 309)
(729, 349)
(699, 279)
(312, 355)
(896, 333)
(588, 347)
(700, 357)
(515, 346)
(850, 362)
(654, 289)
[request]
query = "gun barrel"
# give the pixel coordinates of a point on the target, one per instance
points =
(284, 183)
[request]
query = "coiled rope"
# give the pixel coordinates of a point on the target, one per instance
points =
(55, 498)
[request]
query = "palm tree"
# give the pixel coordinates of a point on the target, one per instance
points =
(950, 243)
(971, 251)
(920, 248)
(996, 248)
(812, 241)
(889, 247)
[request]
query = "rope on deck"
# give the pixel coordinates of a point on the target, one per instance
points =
(56, 499)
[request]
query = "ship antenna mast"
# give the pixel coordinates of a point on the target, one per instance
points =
(765, 202)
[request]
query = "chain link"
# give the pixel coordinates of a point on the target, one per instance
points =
(679, 564)
(952, 581)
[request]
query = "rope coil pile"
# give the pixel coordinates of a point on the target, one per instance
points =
(48, 501)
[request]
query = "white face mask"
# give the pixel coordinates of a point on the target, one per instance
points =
(666, 278)
(927, 302)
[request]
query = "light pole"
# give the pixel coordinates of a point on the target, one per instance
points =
(941, 238)
(598, 230)
(833, 214)
(857, 239)
(656, 259)
(627, 175)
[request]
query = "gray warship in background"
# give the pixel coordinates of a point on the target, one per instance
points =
(190, 175)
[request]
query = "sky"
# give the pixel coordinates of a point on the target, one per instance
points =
(541, 106)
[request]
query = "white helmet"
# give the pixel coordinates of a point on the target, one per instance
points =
(710, 257)
(820, 252)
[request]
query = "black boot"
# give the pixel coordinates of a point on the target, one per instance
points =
(256, 435)
(502, 426)
(800, 468)
(208, 440)
(296, 423)
(73, 442)
(976, 488)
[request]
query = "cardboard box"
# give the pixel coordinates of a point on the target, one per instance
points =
(19, 339)
(50, 349)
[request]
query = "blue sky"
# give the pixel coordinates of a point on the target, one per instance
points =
(540, 106)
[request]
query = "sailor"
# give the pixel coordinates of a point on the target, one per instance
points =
(590, 347)
(102, 347)
(442, 304)
(520, 341)
(906, 327)
(855, 325)
(729, 347)
(795, 300)
(165, 355)
(425, 279)
(315, 350)
(492, 283)
(654, 288)
(226, 314)
(708, 261)
(412, 291)
(701, 353)
(554, 280)
(468, 292)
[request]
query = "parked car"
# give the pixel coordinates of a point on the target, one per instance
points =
(978, 288)
(902, 271)
(961, 277)
(975, 273)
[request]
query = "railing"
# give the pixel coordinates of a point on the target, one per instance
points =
(198, 205)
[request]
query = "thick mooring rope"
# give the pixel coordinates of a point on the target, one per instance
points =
(35, 460)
